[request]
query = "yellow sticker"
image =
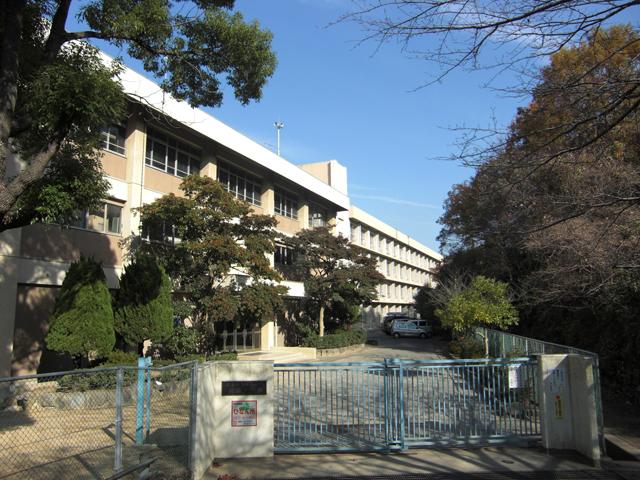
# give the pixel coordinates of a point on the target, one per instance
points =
(558, 407)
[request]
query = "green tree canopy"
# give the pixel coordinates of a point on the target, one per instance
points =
(82, 321)
(215, 250)
(144, 309)
(483, 303)
(334, 271)
(557, 220)
(56, 93)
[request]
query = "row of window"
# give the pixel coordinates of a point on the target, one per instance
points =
(380, 243)
(241, 185)
(172, 156)
(393, 269)
(107, 218)
(393, 290)
(285, 205)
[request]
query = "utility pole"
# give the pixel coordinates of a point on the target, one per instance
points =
(279, 126)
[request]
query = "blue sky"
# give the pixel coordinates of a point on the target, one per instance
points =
(351, 102)
(358, 105)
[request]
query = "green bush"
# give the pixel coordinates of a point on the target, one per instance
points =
(336, 340)
(183, 342)
(82, 321)
(88, 380)
(144, 308)
(118, 357)
(466, 347)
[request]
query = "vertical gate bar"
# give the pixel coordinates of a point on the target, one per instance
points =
(386, 405)
(401, 401)
(193, 412)
(289, 412)
(117, 466)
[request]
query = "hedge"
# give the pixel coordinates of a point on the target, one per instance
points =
(90, 380)
(336, 340)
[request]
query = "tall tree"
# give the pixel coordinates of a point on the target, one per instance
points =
(334, 271)
(56, 93)
(144, 309)
(215, 251)
(558, 220)
(82, 321)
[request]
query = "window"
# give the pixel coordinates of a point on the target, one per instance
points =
(113, 138)
(170, 155)
(286, 205)
(284, 255)
(242, 185)
(317, 216)
(107, 218)
(162, 232)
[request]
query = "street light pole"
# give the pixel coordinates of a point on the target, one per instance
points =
(279, 126)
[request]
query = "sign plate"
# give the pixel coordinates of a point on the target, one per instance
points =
(244, 413)
(244, 388)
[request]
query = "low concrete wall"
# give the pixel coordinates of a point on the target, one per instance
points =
(332, 352)
(308, 352)
(215, 436)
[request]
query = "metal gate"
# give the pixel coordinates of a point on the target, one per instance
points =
(398, 404)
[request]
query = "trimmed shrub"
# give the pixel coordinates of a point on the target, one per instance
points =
(466, 347)
(336, 340)
(183, 342)
(144, 308)
(82, 321)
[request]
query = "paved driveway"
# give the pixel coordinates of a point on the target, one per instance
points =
(388, 347)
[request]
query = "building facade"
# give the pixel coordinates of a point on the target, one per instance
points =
(144, 157)
(405, 263)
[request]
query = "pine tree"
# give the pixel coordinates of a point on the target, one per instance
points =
(82, 322)
(144, 310)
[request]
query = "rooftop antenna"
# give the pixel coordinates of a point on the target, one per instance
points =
(279, 126)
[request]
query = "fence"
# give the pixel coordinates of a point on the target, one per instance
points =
(94, 423)
(503, 344)
(397, 404)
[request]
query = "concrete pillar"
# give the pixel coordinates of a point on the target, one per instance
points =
(568, 401)
(135, 150)
(303, 215)
(268, 199)
(209, 165)
(9, 264)
(267, 336)
(222, 430)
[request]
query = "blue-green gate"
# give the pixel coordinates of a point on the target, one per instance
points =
(399, 404)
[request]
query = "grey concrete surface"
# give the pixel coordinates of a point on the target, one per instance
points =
(412, 462)
(388, 347)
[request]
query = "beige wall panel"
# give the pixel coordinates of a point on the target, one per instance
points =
(288, 225)
(318, 170)
(114, 165)
(34, 306)
(52, 242)
(257, 210)
(161, 181)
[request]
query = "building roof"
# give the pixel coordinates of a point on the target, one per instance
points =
(144, 91)
(365, 218)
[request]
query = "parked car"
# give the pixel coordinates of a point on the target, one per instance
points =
(411, 328)
(388, 320)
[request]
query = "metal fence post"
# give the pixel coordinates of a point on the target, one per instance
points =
(140, 401)
(193, 412)
(117, 466)
(148, 394)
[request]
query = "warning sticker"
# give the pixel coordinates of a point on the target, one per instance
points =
(557, 407)
(244, 413)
